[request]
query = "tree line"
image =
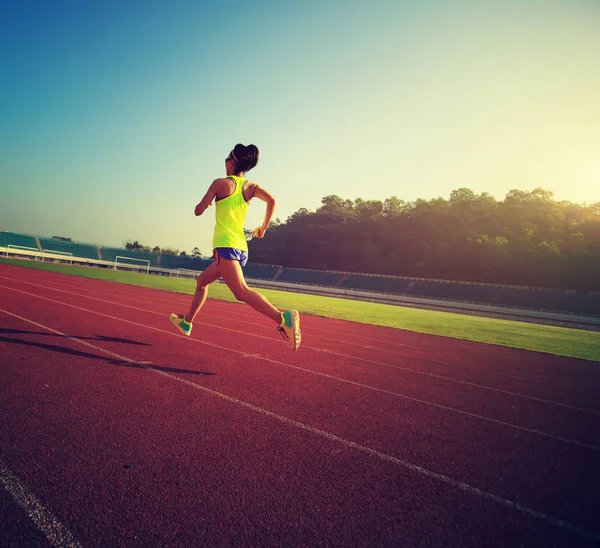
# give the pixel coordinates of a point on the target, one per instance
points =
(137, 246)
(528, 238)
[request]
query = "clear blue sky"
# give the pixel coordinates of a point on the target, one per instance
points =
(116, 116)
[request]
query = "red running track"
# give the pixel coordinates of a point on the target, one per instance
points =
(118, 431)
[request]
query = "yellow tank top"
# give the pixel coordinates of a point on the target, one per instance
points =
(230, 214)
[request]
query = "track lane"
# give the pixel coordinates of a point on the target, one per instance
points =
(368, 427)
(517, 409)
(432, 354)
(325, 496)
(221, 473)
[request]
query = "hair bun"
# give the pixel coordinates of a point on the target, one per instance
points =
(247, 156)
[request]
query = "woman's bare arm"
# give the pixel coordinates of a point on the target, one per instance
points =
(266, 197)
(208, 198)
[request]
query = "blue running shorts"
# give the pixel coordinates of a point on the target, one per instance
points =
(231, 253)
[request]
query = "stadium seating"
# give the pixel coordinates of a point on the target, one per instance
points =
(13, 238)
(586, 303)
(260, 271)
(111, 253)
(518, 297)
(430, 288)
(177, 261)
(511, 296)
(312, 277)
(86, 251)
(456, 291)
(478, 293)
(551, 299)
(369, 282)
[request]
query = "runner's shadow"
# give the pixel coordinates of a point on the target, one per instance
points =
(112, 361)
(143, 365)
(96, 338)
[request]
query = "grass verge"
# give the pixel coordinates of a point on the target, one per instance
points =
(540, 338)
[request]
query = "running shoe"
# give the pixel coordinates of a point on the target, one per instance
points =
(290, 328)
(181, 324)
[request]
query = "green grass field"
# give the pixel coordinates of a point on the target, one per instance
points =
(541, 338)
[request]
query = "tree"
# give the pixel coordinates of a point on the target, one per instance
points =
(370, 209)
(526, 239)
(300, 213)
(393, 206)
(462, 196)
(136, 246)
(334, 205)
(133, 245)
(196, 253)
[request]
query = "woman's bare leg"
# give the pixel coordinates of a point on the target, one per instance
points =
(208, 276)
(232, 274)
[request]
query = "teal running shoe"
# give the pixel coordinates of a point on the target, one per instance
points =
(181, 324)
(290, 328)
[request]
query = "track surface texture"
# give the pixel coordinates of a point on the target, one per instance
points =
(118, 431)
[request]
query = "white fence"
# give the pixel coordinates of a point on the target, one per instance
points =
(385, 298)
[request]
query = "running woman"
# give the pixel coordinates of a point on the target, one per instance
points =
(232, 195)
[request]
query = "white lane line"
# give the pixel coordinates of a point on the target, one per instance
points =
(312, 331)
(242, 318)
(325, 375)
(348, 356)
(56, 533)
(332, 437)
(117, 293)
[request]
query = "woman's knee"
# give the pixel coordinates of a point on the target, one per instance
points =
(202, 283)
(205, 278)
(240, 292)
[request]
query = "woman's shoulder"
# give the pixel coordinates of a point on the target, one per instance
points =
(248, 189)
(223, 187)
(248, 184)
(229, 181)
(220, 182)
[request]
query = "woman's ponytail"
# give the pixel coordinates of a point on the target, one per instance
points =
(246, 157)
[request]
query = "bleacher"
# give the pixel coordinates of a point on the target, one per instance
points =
(456, 291)
(260, 271)
(77, 249)
(479, 293)
(15, 239)
(430, 288)
(585, 303)
(509, 296)
(111, 254)
(551, 299)
(312, 277)
(373, 282)
(514, 296)
(177, 261)
(555, 300)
